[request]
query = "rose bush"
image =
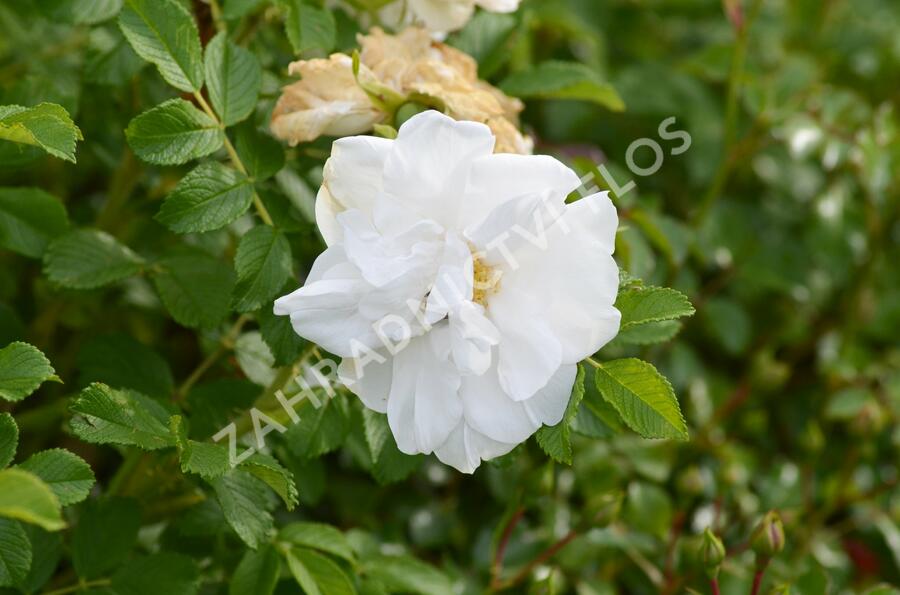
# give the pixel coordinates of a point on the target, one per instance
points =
(439, 296)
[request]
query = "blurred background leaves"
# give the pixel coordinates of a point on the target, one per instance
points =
(780, 222)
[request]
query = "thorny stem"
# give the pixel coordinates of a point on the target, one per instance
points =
(225, 343)
(81, 586)
(235, 158)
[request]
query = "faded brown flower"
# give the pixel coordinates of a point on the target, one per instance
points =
(328, 100)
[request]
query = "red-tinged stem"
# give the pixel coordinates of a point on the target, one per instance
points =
(757, 580)
(714, 583)
(497, 566)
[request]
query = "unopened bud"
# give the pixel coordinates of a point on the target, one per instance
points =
(734, 10)
(768, 538)
(712, 553)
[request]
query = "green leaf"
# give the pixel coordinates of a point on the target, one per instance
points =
(29, 219)
(265, 468)
(320, 429)
(240, 495)
(9, 439)
(46, 548)
(107, 416)
(201, 458)
(195, 287)
(70, 478)
(106, 532)
(121, 361)
(172, 574)
(23, 368)
(254, 358)
(648, 508)
(15, 553)
(669, 235)
(318, 575)
(263, 264)
(486, 38)
(556, 440)
(235, 9)
(649, 333)
(164, 32)
(643, 397)
(298, 192)
(216, 403)
(407, 574)
(562, 80)
(89, 258)
(172, 133)
(389, 464)
(285, 344)
(46, 125)
(110, 60)
(25, 497)
(318, 536)
(309, 28)
(651, 304)
(596, 417)
(728, 323)
(302, 574)
(88, 12)
(233, 79)
(210, 197)
(262, 155)
(257, 573)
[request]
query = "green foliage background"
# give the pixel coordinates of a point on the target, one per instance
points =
(780, 223)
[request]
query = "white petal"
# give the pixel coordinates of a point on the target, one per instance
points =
(573, 282)
(453, 284)
(370, 380)
(492, 412)
(428, 168)
(499, 5)
(549, 404)
(465, 448)
(496, 179)
(472, 337)
(327, 313)
(529, 352)
(514, 224)
(325, 309)
(327, 209)
(424, 406)
(383, 259)
(352, 180)
(443, 15)
(595, 218)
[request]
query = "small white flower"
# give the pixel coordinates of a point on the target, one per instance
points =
(459, 287)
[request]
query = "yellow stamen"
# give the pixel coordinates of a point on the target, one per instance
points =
(486, 280)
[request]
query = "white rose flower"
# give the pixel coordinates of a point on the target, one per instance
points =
(459, 287)
(450, 15)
